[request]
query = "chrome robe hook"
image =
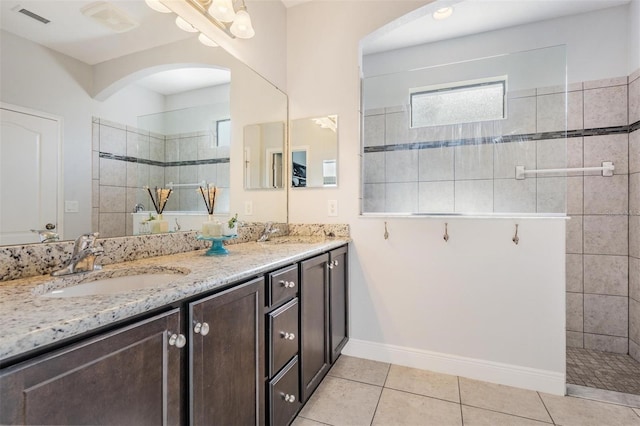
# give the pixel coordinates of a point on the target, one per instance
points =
(445, 237)
(386, 232)
(515, 238)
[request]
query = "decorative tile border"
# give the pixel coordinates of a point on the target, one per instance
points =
(162, 163)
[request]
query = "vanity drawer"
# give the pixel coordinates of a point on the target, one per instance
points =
(283, 285)
(283, 336)
(284, 400)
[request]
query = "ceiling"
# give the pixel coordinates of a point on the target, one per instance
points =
(74, 34)
(474, 16)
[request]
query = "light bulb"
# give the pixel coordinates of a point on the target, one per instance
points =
(222, 10)
(207, 41)
(157, 6)
(185, 26)
(241, 26)
(443, 13)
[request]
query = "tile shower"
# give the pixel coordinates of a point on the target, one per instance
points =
(126, 158)
(603, 234)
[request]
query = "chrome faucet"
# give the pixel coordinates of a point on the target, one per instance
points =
(46, 236)
(266, 233)
(83, 258)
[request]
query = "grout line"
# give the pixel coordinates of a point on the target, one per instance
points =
(422, 395)
(460, 399)
(511, 414)
(545, 407)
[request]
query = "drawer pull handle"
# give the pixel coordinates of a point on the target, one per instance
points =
(332, 264)
(287, 336)
(288, 284)
(290, 398)
(201, 328)
(177, 340)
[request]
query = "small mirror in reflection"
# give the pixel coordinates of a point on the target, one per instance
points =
(314, 152)
(263, 148)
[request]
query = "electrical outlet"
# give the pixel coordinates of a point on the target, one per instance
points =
(71, 207)
(248, 208)
(332, 208)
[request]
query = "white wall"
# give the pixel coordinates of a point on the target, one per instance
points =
(634, 36)
(453, 307)
(597, 46)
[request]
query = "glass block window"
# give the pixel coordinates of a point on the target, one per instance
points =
(223, 132)
(458, 103)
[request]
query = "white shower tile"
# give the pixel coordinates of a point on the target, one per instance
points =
(474, 162)
(551, 195)
(373, 198)
(575, 320)
(606, 82)
(606, 235)
(436, 197)
(634, 152)
(607, 148)
(605, 107)
(511, 154)
(574, 234)
(112, 199)
(604, 343)
(112, 225)
(606, 195)
(559, 112)
(575, 339)
(521, 116)
(574, 273)
(401, 197)
(575, 195)
(606, 315)
(474, 196)
(401, 166)
(374, 130)
(514, 196)
(113, 140)
(436, 164)
(634, 101)
(113, 172)
(373, 163)
(606, 275)
(223, 177)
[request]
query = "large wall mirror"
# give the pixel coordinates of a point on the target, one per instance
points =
(148, 107)
(314, 152)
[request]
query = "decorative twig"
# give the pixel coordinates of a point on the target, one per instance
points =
(209, 197)
(161, 198)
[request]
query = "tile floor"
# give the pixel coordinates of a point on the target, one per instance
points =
(603, 370)
(362, 392)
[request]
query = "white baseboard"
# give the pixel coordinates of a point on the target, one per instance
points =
(505, 374)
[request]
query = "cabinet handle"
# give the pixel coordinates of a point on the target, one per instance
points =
(201, 328)
(177, 340)
(330, 265)
(287, 336)
(287, 284)
(335, 262)
(290, 398)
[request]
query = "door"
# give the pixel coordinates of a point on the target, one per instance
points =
(227, 357)
(338, 291)
(314, 323)
(130, 376)
(29, 173)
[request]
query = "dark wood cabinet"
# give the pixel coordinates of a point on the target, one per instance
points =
(339, 299)
(226, 342)
(314, 323)
(284, 395)
(130, 376)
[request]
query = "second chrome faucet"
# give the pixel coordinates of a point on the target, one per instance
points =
(83, 257)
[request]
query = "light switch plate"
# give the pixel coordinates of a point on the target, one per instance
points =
(332, 207)
(248, 208)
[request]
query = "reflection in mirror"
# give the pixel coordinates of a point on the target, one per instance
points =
(263, 150)
(314, 152)
(95, 93)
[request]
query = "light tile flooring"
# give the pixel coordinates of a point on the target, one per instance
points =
(362, 392)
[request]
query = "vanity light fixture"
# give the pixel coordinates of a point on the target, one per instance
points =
(157, 6)
(185, 26)
(207, 41)
(443, 13)
(231, 16)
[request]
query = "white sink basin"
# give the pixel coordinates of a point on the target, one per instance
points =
(115, 284)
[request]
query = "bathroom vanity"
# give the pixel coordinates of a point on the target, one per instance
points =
(243, 339)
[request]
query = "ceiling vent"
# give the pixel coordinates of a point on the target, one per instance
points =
(31, 14)
(110, 16)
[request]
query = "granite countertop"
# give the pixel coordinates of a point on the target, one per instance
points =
(31, 321)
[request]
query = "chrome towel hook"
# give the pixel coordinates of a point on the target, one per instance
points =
(386, 232)
(515, 238)
(446, 232)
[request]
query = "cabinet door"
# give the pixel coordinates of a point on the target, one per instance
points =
(130, 376)
(283, 336)
(227, 357)
(338, 291)
(314, 323)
